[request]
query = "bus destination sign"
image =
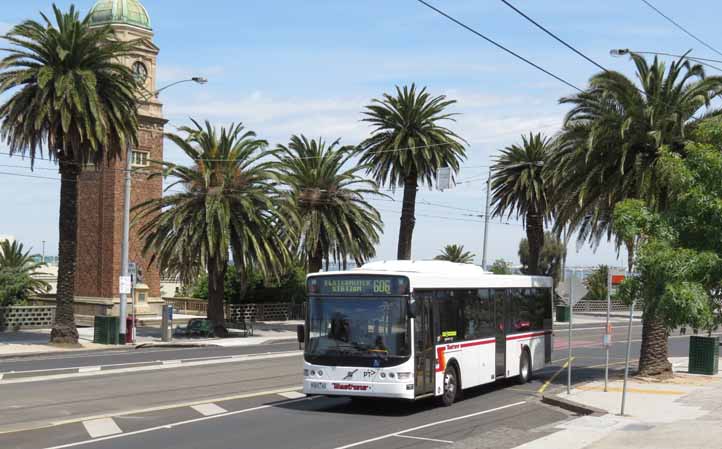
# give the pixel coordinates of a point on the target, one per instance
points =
(358, 285)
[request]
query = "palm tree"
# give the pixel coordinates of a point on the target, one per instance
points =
(408, 146)
(67, 90)
(608, 151)
(336, 220)
(226, 202)
(613, 136)
(17, 267)
(518, 187)
(456, 254)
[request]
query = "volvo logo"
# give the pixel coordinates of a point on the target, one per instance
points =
(350, 374)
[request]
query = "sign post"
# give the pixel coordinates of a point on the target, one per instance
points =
(571, 319)
(608, 335)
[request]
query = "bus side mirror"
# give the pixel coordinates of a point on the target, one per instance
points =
(412, 308)
(300, 333)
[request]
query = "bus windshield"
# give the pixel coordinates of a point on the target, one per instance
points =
(361, 331)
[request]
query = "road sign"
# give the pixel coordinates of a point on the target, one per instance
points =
(126, 284)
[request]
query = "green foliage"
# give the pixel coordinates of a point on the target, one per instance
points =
(16, 269)
(615, 135)
(455, 253)
(596, 284)
(69, 90)
(330, 200)
(551, 257)
(500, 266)
(680, 270)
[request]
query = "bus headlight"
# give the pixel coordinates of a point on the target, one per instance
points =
(383, 375)
(320, 373)
(403, 376)
(305, 373)
(392, 375)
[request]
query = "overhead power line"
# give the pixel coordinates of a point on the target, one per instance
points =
(557, 38)
(495, 43)
(685, 30)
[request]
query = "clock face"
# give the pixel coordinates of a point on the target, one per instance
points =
(140, 71)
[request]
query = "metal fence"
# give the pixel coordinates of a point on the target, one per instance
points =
(601, 306)
(26, 317)
(236, 312)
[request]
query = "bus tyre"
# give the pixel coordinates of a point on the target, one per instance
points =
(524, 367)
(451, 387)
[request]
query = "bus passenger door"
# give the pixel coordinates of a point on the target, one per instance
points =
(500, 329)
(424, 347)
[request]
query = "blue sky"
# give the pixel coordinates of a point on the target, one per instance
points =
(283, 67)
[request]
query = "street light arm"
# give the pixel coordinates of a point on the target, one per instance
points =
(195, 79)
(618, 52)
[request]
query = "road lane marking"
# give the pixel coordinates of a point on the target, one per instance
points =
(97, 428)
(551, 379)
(177, 424)
(425, 439)
(170, 362)
(88, 369)
(292, 395)
(631, 390)
(208, 409)
(250, 357)
(425, 426)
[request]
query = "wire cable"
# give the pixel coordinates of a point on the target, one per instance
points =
(674, 22)
(493, 42)
(560, 40)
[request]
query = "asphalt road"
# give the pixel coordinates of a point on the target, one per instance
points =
(255, 404)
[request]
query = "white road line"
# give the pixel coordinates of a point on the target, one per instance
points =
(1, 377)
(88, 369)
(425, 439)
(250, 357)
(209, 409)
(101, 427)
(292, 395)
(171, 406)
(171, 362)
(436, 423)
(177, 424)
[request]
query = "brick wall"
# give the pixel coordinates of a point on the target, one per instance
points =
(100, 219)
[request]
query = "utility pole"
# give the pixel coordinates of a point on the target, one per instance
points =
(43, 251)
(486, 219)
(571, 319)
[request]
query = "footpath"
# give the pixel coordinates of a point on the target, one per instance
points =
(683, 412)
(35, 342)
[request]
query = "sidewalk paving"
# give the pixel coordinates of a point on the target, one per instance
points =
(678, 413)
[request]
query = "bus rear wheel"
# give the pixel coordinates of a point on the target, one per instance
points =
(524, 367)
(451, 387)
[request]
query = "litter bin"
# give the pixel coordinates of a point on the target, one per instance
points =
(129, 330)
(703, 355)
(562, 314)
(106, 330)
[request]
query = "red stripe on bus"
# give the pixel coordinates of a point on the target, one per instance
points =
(524, 336)
(478, 343)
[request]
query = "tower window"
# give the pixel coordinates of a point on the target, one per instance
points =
(140, 158)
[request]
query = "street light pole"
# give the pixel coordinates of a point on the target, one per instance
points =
(127, 181)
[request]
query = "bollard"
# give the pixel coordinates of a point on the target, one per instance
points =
(165, 323)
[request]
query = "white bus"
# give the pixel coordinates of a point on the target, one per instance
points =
(410, 330)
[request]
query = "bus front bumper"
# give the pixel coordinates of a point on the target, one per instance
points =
(395, 390)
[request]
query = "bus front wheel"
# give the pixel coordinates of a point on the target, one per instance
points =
(524, 367)
(451, 387)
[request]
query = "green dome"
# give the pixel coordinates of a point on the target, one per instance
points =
(129, 12)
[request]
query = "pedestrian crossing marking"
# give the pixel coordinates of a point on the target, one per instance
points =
(292, 395)
(102, 427)
(209, 409)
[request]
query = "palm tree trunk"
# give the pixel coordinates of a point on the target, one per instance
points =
(64, 330)
(653, 356)
(535, 237)
(630, 255)
(408, 219)
(315, 260)
(216, 296)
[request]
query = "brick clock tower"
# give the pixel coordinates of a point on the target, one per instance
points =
(100, 191)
